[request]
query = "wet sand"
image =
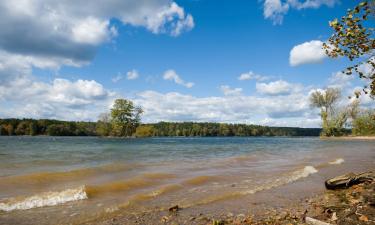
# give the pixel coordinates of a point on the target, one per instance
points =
(294, 198)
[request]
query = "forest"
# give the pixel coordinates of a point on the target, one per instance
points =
(161, 129)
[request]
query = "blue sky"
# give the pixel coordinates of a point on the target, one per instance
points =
(184, 59)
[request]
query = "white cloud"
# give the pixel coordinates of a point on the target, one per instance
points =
(252, 76)
(311, 3)
(132, 75)
(53, 33)
(279, 87)
(308, 52)
(23, 95)
(174, 106)
(230, 91)
(91, 31)
(117, 78)
(173, 76)
(340, 80)
(275, 10)
(69, 33)
(59, 99)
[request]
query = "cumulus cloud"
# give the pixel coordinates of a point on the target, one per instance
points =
(275, 10)
(279, 87)
(252, 76)
(230, 91)
(173, 76)
(308, 52)
(54, 33)
(23, 95)
(175, 106)
(69, 33)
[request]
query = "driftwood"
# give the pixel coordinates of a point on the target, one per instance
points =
(349, 179)
(312, 221)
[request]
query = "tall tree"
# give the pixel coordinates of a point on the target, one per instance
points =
(125, 117)
(353, 38)
(325, 100)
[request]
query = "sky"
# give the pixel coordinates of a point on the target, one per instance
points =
(242, 61)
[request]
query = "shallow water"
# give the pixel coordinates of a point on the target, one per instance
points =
(75, 179)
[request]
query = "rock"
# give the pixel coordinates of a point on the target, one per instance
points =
(334, 217)
(174, 208)
(241, 216)
(164, 219)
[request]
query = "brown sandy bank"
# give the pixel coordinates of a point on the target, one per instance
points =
(283, 205)
(349, 138)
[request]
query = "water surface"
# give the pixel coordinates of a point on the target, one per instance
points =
(77, 178)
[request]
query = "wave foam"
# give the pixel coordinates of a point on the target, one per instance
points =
(337, 161)
(44, 199)
(294, 176)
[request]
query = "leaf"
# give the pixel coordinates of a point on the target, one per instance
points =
(363, 218)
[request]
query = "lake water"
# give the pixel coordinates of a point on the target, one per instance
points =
(52, 180)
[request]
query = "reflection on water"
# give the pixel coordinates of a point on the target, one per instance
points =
(60, 176)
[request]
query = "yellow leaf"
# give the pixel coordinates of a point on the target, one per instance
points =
(363, 218)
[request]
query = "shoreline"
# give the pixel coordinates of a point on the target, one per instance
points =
(349, 138)
(353, 205)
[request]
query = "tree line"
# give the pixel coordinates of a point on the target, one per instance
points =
(124, 120)
(162, 129)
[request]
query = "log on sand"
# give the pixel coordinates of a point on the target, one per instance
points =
(349, 179)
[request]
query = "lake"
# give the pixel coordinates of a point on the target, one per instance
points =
(52, 180)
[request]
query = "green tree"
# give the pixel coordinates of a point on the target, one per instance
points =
(364, 124)
(23, 128)
(144, 131)
(33, 128)
(354, 38)
(325, 101)
(125, 117)
(10, 129)
(103, 126)
(3, 131)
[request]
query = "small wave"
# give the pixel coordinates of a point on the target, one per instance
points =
(159, 175)
(144, 180)
(60, 176)
(44, 199)
(337, 161)
(199, 180)
(283, 180)
(118, 186)
(289, 178)
(153, 194)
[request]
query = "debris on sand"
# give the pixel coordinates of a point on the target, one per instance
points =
(174, 208)
(348, 180)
